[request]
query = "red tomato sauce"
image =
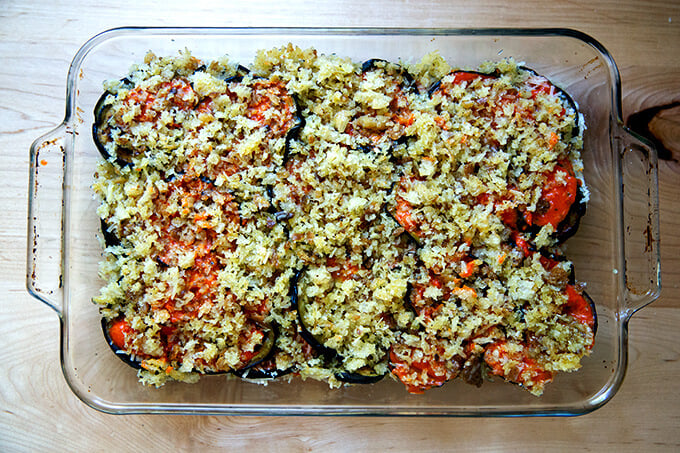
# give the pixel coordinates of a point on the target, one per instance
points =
(525, 370)
(422, 374)
(578, 307)
(119, 331)
(272, 106)
(178, 91)
(560, 195)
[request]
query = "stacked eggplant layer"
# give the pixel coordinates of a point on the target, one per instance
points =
(311, 216)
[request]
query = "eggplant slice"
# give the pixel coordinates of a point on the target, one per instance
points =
(101, 129)
(266, 368)
(386, 124)
(290, 99)
(568, 227)
(407, 82)
(122, 355)
(565, 229)
(314, 342)
(563, 95)
(569, 280)
(460, 76)
(265, 350)
(355, 377)
(263, 353)
(294, 131)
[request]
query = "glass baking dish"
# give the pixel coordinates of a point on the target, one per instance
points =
(615, 251)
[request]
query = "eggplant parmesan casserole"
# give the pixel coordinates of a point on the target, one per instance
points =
(316, 217)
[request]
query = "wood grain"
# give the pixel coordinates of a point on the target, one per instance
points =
(38, 412)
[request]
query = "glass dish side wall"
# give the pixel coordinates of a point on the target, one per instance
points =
(585, 71)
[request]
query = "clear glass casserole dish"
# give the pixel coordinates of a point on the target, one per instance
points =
(615, 251)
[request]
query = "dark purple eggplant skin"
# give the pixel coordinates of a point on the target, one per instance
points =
(568, 227)
(257, 373)
(260, 370)
(358, 378)
(277, 215)
(99, 112)
(207, 180)
(325, 351)
(591, 302)
(110, 238)
(266, 350)
(123, 157)
(294, 131)
(241, 72)
(259, 358)
(172, 176)
(407, 298)
(407, 83)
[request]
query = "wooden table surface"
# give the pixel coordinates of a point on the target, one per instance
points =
(38, 412)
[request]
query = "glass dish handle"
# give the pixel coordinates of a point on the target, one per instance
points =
(45, 218)
(640, 216)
